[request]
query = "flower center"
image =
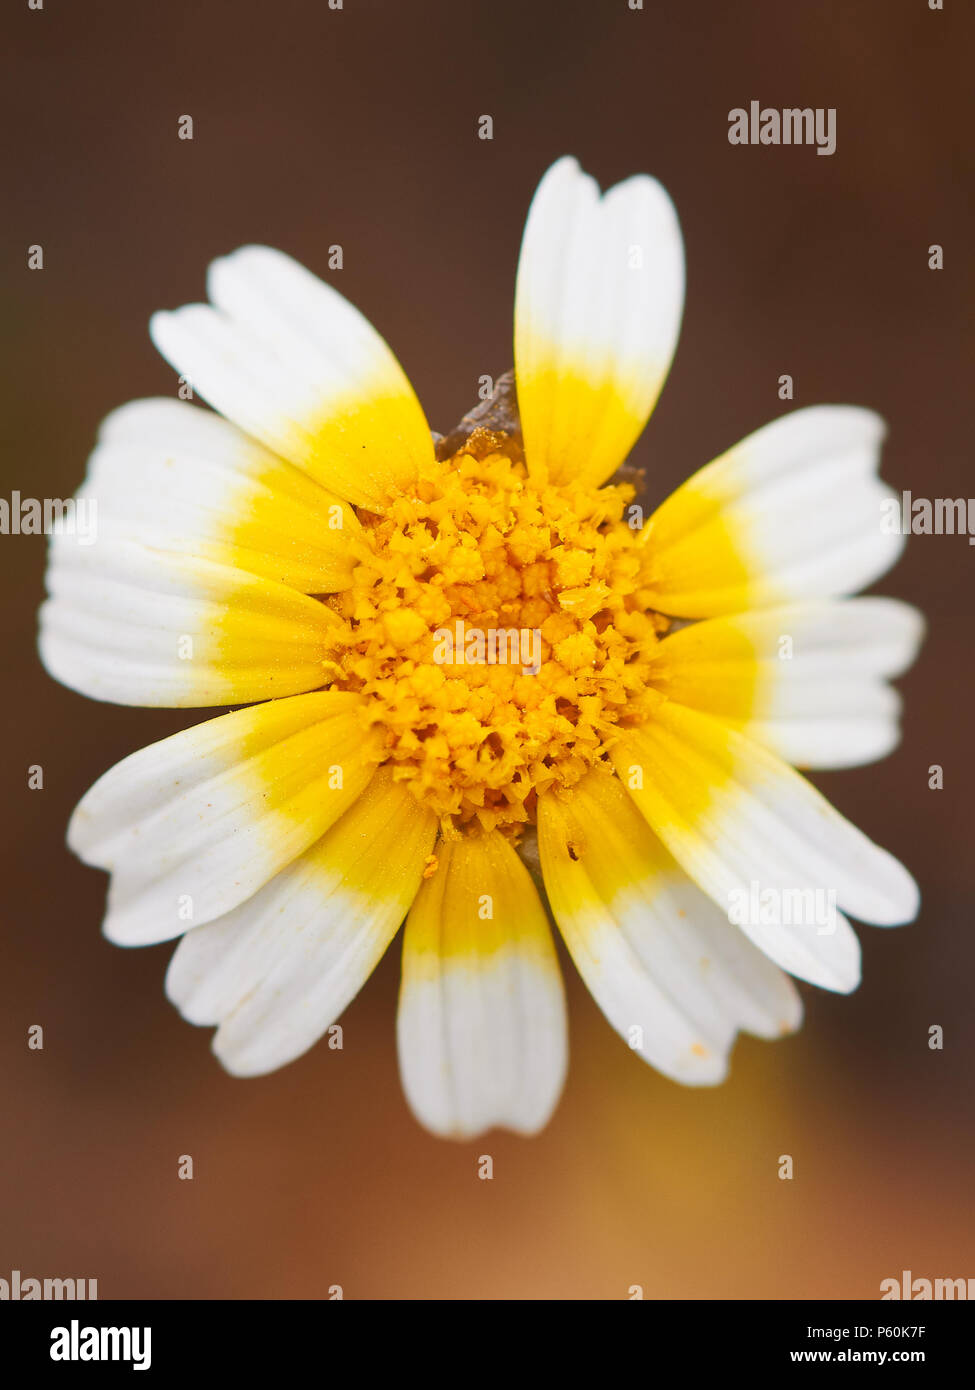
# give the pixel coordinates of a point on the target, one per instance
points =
(498, 629)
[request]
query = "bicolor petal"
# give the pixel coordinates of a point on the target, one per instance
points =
(796, 511)
(743, 825)
(293, 363)
(669, 971)
(481, 1025)
(809, 681)
(277, 971)
(139, 626)
(194, 825)
(598, 304)
(177, 478)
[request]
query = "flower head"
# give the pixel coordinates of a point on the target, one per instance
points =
(463, 655)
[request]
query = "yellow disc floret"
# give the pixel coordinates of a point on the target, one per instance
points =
(497, 626)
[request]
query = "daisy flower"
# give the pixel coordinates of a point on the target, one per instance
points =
(302, 553)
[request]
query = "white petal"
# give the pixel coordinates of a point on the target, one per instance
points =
(806, 680)
(288, 359)
(672, 975)
(279, 970)
(174, 477)
(742, 824)
(598, 303)
(795, 511)
(139, 626)
(481, 1024)
(192, 826)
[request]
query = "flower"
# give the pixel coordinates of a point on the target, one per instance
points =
(308, 552)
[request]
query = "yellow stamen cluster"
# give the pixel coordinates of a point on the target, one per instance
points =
(478, 541)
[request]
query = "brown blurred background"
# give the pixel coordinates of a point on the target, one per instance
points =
(358, 126)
